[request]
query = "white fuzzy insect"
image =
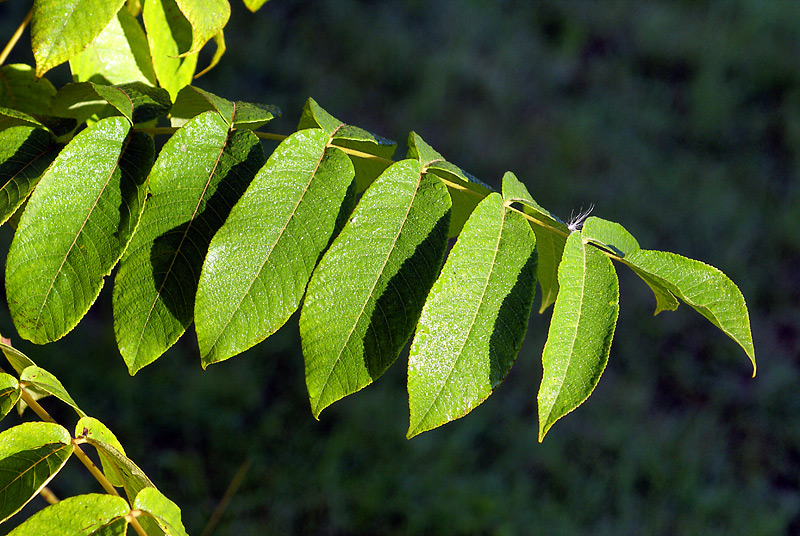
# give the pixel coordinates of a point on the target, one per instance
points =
(575, 222)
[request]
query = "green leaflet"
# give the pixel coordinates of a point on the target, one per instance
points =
(89, 427)
(367, 292)
(121, 467)
(165, 512)
(259, 262)
(169, 35)
(75, 228)
(138, 102)
(93, 514)
(192, 101)
(25, 153)
(200, 174)
(119, 54)
(550, 237)
(254, 5)
(314, 116)
(17, 359)
(62, 28)
(207, 17)
(706, 289)
(31, 454)
(42, 380)
(9, 393)
(615, 239)
(475, 318)
(581, 330)
(21, 90)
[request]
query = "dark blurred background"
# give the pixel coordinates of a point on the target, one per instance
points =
(680, 120)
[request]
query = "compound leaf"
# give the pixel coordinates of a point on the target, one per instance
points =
(93, 514)
(124, 470)
(31, 454)
(366, 295)
(581, 330)
(137, 101)
(259, 262)
(25, 153)
(475, 318)
(119, 54)
(207, 18)
(551, 236)
(75, 228)
(200, 174)
(62, 28)
(706, 289)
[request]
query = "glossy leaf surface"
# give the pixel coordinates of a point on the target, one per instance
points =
(259, 263)
(581, 330)
(200, 174)
(31, 454)
(706, 289)
(75, 227)
(475, 318)
(85, 515)
(365, 297)
(25, 153)
(62, 28)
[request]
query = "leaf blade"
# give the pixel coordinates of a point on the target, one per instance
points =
(388, 256)
(268, 244)
(475, 317)
(25, 154)
(581, 330)
(75, 228)
(199, 175)
(92, 514)
(165, 512)
(169, 35)
(47, 382)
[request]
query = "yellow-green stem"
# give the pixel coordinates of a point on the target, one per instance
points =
(14, 38)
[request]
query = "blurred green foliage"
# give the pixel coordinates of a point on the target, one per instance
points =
(681, 120)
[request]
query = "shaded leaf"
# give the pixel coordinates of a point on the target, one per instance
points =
(169, 35)
(207, 18)
(550, 236)
(475, 318)
(31, 454)
(270, 244)
(92, 514)
(200, 174)
(314, 116)
(62, 28)
(9, 393)
(165, 512)
(17, 359)
(581, 330)
(89, 427)
(21, 90)
(136, 101)
(119, 54)
(47, 382)
(25, 153)
(465, 190)
(75, 227)
(192, 101)
(705, 288)
(366, 295)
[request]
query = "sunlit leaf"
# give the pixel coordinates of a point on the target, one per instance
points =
(45, 381)
(119, 54)
(165, 512)
(207, 18)
(31, 454)
(85, 515)
(89, 427)
(75, 227)
(254, 5)
(9, 393)
(475, 318)
(21, 90)
(124, 470)
(62, 28)
(365, 297)
(200, 174)
(706, 289)
(138, 102)
(169, 35)
(581, 330)
(270, 244)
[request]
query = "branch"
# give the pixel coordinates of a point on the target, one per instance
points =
(14, 38)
